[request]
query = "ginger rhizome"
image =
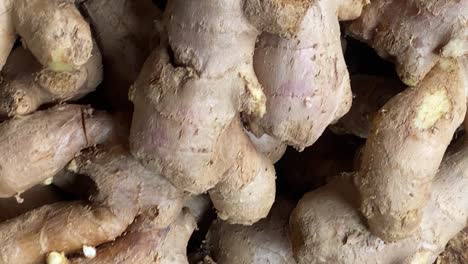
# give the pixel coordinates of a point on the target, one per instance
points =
(26, 85)
(124, 189)
(414, 34)
(411, 129)
(304, 76)
(38, 146)
(53, 30)
(327, 227)
(266, 241)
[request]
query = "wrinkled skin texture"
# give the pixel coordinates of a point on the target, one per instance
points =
(54, 31)
(113, 168)
(416, 38)
(65, 226)
(326, 226)
(405, 147)
(25, 85)
(124, 189)
(123, 30)
(37, 146)
(305, 77)
(187, 101)
(186, 109)
(370, 93)
(266, 241)
(145, 243)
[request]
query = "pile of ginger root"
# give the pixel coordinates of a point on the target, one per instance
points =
(233, 131)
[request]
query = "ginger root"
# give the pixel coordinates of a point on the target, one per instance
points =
(124, 189)
(412, 129)
(266, 241)
(420, 35)
(37, 146)
(304, 77)
(26, 85)
(326, 226)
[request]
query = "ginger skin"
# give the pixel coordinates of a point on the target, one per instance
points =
(326, 226)
(413, 128)
(417, 38)
(124, 189)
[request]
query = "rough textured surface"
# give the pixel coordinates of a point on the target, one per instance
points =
(456, 251)
(123, 189)
(25, 85)
(37, 146)
(418, 36)
(59, 227)
(412, 129)
(266, 241)
(123, 183)
(305, 77)
(187, 101)
(123, 30)
(7, 31)
(54, 31)
(145, 243)
(370, 93)
(248, 190)
(326, 226)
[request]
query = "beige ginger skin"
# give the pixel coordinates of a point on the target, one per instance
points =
(45, 141)
(124, 189)
(267, 241)
(413, 128)
(25, 84)
(327, 227)
(53, 30)
(420, 35)
(304, 77)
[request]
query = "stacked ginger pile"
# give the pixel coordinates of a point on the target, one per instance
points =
(124, 123)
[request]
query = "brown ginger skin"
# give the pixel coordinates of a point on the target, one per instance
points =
(370, 93)
(33, 198)
(416, 38)
(413, 128)
(26, 85)
(37, 146)
(188, 98)
(54, 31)
(304, 76)
(455, 252)
(267, 241)
(326, 226)
(144, 242)
(124, 31)
(124, 189)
